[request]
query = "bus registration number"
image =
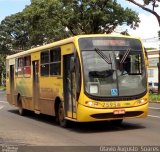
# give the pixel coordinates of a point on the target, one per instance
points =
(112, 105)
(119, 112)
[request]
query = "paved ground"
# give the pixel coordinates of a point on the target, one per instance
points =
(40, 130)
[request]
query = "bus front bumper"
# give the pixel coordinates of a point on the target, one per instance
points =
(87, 114)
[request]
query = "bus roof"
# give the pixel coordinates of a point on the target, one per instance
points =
(65, 41)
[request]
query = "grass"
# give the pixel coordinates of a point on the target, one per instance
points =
(154, 98)
(2, 88)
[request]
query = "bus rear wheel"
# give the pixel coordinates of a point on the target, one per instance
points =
(61, 116)
(20, 108)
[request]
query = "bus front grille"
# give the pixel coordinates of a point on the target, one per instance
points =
(111, 115)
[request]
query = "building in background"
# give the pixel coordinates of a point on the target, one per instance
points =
(153, 58)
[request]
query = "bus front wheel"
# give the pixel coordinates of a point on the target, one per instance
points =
(20, 108)
(61, 116)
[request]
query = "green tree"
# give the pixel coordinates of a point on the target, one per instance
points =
(13, 29)
(90, 17)
(2, 68)
(45, 21)
(43, 27)
(146, 3)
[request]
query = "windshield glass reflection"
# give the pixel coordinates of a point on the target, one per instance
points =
(114, 73)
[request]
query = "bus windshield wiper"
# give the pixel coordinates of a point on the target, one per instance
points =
(103, 56)
(125, 55)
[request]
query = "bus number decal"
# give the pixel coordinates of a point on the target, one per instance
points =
(111, 105)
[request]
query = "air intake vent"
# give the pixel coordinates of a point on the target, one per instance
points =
(111, 115)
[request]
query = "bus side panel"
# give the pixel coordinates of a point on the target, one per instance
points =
(47, 95)
(50, 89)
(24, 89)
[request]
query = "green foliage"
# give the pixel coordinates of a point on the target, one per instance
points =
(45, 21)
(44, 28)
(91, 17)
(2, 88)
(151, 48)
(14, 31)
(147, 2)
(2, 67)
(159, 34)
(154, 97)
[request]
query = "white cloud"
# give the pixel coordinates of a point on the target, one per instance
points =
(133, 5)
(148, 29)
(12, 0)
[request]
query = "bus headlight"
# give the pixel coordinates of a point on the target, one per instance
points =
(91, 103)
(142, 101)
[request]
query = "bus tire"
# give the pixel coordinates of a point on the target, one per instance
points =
(20, 108)
(117, 122)
(61, 116)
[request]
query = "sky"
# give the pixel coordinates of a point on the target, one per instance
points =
(8, 7)
(147, 30)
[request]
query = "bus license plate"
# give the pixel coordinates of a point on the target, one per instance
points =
(119, 112)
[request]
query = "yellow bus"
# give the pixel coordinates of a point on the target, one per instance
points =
(83, 78)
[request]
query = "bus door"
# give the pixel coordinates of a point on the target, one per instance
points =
(69, 86)
(36, 86)
(12, 83)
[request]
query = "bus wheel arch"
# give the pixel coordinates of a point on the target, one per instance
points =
(59, 112)
(19, 104)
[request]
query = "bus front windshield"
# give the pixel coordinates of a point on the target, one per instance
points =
(113, 66)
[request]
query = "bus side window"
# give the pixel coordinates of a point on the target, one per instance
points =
(45, 63)
(20, 67)
(55, 61)
(27, 66)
